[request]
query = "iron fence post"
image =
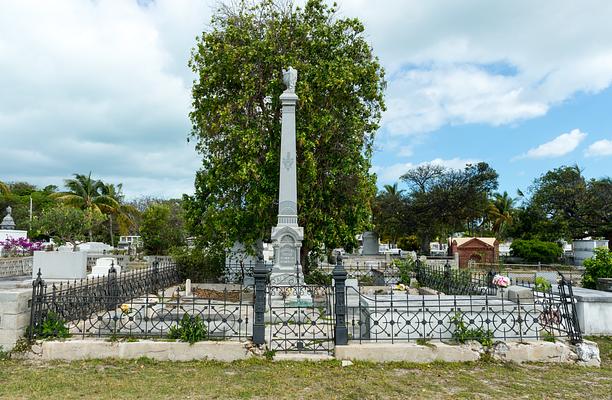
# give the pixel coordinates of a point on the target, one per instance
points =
(490, 286)
(36, 310)
(447, 277)
(260, 274)
(112, 289)
(155, 276)
(341, 330)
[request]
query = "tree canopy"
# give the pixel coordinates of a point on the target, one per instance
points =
(236, 122)
(442, 201)
(161, 229)
(566, 205)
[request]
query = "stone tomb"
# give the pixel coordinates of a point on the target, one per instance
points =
(103, 266)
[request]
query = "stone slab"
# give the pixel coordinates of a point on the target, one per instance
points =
(591, 296)
(533, 351)
(517, 294)
(313, 357)
(408, 352)
(60, 265)
(71, 350)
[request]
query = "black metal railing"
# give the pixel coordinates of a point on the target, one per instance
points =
(368, 273)
(454, 281)
(299, 317)
(145, 303)
(400, 316)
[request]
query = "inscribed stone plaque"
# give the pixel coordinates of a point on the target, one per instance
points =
(287, 256)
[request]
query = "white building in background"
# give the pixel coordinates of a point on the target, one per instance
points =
(585, 248)
(438, 249)
(126, 242)
(504, 248)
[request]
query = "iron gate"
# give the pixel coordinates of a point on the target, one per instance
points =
(300, 318)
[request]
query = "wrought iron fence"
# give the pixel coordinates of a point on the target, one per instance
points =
(368, 273)
(148, 303)
(454, 281)
(470, 308)
(79, 299)
(145, 303)
(399, 316)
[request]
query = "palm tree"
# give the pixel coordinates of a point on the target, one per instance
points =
(4, 188)
(501, 210)
(392, 190)
(122, 212)
(86, 193)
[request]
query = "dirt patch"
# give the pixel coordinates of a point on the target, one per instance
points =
(233, 296)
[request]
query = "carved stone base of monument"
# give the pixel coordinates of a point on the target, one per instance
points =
(287, 242)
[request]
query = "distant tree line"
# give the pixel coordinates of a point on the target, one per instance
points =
(92, 210)
(438, 202)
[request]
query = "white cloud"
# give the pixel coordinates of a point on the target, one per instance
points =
(485, 62)
(99, 86)
(422, 100)
(600, 148)
(104, 85)
(405, 151)
(559, 146)
(391, 174)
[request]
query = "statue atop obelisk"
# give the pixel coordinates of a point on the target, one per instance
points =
(287, 236)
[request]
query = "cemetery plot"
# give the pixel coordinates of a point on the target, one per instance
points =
(146, 303)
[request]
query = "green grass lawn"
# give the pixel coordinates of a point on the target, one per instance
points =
(145, 379)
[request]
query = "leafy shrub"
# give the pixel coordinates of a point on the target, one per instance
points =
(4, 355)
(317, 277)
(53, 327)
(542, 284)
(405, 267)
(536, 251)
(462, 333)
(190, 329)
(365, 280)
(548, 337)
(408, 243)
(598, 266)
(199, 265)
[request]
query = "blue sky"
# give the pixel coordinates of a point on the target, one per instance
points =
(505, 147)
(103, 86)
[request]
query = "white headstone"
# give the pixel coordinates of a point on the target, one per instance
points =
(188, 288)
(103, 266)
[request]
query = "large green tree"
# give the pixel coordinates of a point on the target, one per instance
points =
(18, 197)
(66, 224)
(566, 205)
(236, 122)
(389, 213)
(161, 229)
(443, 201)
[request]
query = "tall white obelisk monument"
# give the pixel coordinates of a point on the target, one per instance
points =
(287, 236)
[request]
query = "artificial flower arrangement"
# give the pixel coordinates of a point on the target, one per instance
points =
(501, 281)
(400, 286)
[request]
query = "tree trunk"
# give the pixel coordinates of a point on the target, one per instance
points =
(425, 244)
(110, 223)
(304, 261)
